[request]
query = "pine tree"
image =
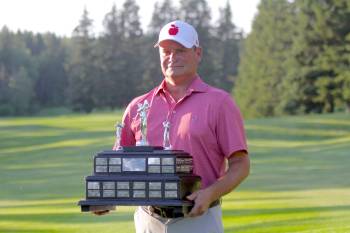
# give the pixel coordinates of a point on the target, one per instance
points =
(81, 66)
(226, 49)
(132, 49)
(263, 66)
(18, 74)
(320, 57)
(52, 77)
(163, 13)
(130, 20)
(198, 14)
(111, 86)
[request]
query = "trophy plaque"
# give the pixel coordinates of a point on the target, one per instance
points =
(141, 175)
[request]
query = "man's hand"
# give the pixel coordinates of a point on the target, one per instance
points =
(238, 170)
(100, 212)
(202, 199)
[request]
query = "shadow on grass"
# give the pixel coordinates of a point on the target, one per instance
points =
(28, 230)
(257, 198)
(310, 224)
(12, 145)
(70, 218)
(277, 211)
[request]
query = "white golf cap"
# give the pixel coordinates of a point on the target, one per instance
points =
(180, 32)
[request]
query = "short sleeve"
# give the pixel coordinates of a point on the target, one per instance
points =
(229, 128)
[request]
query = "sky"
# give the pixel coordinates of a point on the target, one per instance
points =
(62, 16)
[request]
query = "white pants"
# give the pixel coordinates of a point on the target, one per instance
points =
(209, 222)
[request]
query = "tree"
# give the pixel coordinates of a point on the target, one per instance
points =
(5, 93)
(34, 42)
(111, 86)
(17, 75)
(263, 65)
(21, 91)
(198, 14)
(226, 49)
(163, 12)
(130, 20)
(52, 77)
(320, 57)
(81, 66)
(131, 52)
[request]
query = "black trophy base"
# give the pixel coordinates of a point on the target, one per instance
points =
(141, 148)
(180, 208)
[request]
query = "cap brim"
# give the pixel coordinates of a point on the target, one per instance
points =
(183, 43)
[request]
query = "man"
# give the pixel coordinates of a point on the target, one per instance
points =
(204, 121)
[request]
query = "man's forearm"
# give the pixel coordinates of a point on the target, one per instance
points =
(239, 166)
(238, 170)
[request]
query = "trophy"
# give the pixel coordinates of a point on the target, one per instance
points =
(144, 175)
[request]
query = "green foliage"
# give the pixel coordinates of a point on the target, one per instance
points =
(320, 56)
(17, 75)
(264, 60)
(197, 13)
(81, 67)
(296, 59)
(50, 87)
(298, 182)
(132, 46)
(225, 50)
(163, 12)
(110, 88)
(87, 71)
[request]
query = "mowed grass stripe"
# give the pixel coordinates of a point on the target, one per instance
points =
(299, 180)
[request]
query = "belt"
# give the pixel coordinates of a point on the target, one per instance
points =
(215, 203)
(171, 212)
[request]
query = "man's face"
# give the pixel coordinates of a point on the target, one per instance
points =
(178, 61)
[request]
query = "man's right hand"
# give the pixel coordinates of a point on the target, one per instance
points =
(100, 212)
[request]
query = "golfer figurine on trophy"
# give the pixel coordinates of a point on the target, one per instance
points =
(118, 134)
(166, 138)
(142, 111)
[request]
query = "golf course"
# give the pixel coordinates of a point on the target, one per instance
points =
(299, 180)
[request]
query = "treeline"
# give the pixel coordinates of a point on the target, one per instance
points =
(86, 71)
(296, 59)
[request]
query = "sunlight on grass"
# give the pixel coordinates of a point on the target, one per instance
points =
(63, 121)
(298, 131)
(298, 211)
(68, 205)
(324, 121)
(62, 215)
(293, 144)
(312, 210)
(56, 145)
(299, 179)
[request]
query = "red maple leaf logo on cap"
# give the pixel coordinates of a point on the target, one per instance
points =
(173, 30)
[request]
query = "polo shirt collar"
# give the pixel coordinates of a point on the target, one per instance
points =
(197, 85)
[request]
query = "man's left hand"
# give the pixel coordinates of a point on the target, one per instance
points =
(202, 200)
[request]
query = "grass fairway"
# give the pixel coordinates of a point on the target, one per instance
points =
(300, 179)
